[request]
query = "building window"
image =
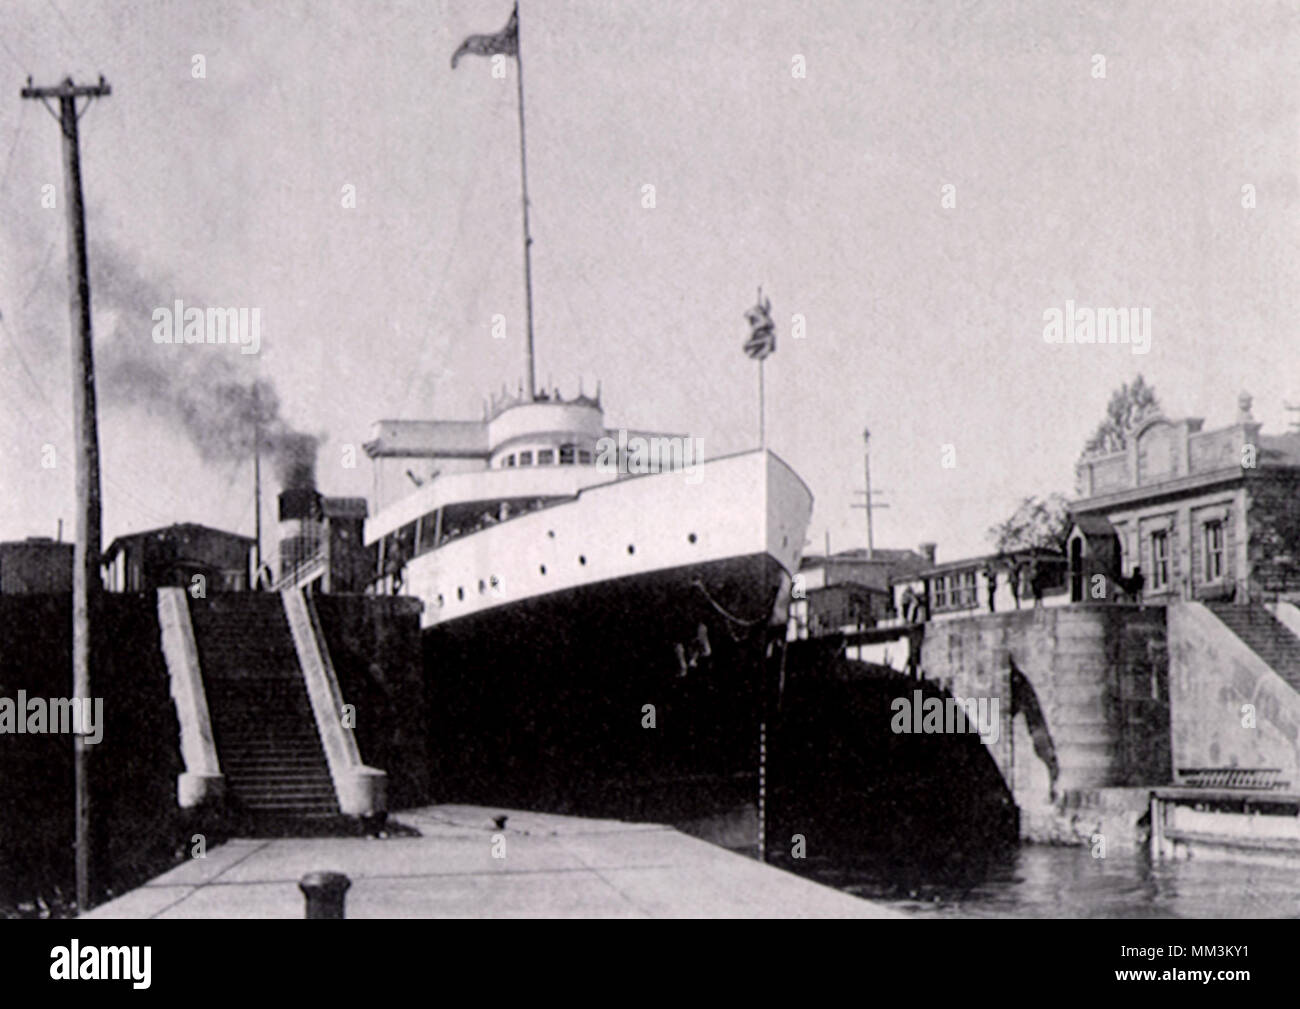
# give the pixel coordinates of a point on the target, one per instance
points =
(1213, 551)
(584, 458)
(1160, 560)
(940, 593)
(567, 454)
(968, 588)
(525, 458)
(546, 457)
(510, 461)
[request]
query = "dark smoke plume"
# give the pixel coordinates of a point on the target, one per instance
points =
(209, 392)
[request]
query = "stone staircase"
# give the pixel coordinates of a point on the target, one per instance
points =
(1265, 635)
(262, 719)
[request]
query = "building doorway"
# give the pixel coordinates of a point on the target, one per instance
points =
(1076, 570)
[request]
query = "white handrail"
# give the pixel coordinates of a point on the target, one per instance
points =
(360, 789)
(202, 778)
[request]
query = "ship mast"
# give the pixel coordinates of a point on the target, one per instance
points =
(506, 43)
(523, 180)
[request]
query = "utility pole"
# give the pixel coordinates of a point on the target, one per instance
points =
(257, 488)
(86, 584)
(869, 502)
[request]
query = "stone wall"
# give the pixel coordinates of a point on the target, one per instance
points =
(133, 768)
(1212, 675)
(1213, 450)
(374, 643)
(1083, 694)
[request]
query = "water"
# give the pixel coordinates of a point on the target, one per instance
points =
(1041, 881)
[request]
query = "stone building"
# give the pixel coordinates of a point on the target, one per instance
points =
(35, 565)
(1205, 514)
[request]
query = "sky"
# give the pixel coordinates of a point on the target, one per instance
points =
(922, 322)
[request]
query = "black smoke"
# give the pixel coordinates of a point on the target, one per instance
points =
(210, 393)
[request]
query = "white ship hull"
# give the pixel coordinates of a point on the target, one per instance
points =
(628, 684)
(737, 506)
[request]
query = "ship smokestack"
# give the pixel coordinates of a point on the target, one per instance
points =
(301, 529)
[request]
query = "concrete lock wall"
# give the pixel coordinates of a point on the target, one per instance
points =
(133, 768)
(1230, 708)
(1082, 690)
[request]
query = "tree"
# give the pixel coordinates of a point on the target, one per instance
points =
(1129, 405)
(1036, 524)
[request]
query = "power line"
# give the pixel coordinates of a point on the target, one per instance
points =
(85, 51)
(22, 359)
(40, 274)
(13, 145)
(14, 56)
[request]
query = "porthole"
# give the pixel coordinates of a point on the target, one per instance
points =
(631, 549)
(690, 538)
(542, 569)
(582, 558)
(460, 592)
(550, 533)
(482, 586)
(441, 600)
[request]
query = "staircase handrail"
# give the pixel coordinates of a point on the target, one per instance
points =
(360, 789)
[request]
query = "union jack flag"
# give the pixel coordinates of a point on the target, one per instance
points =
(762, 330)
(504, 42)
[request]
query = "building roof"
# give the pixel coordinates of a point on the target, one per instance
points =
(1093, 525)
(167, 532)
(848, 587)
(884, 557)
(35, 542)
(980, 562)
(429, 439)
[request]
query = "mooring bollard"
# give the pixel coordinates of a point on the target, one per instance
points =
(324, 892)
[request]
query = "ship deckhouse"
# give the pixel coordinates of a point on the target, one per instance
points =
(436, 481)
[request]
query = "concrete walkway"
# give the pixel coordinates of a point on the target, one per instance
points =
(553, 867)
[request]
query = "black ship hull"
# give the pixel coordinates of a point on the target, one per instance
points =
(636, 697)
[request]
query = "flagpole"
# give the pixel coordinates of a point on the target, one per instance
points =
(762, 407)
(523, 178)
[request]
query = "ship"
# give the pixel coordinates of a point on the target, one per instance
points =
(600, 605)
